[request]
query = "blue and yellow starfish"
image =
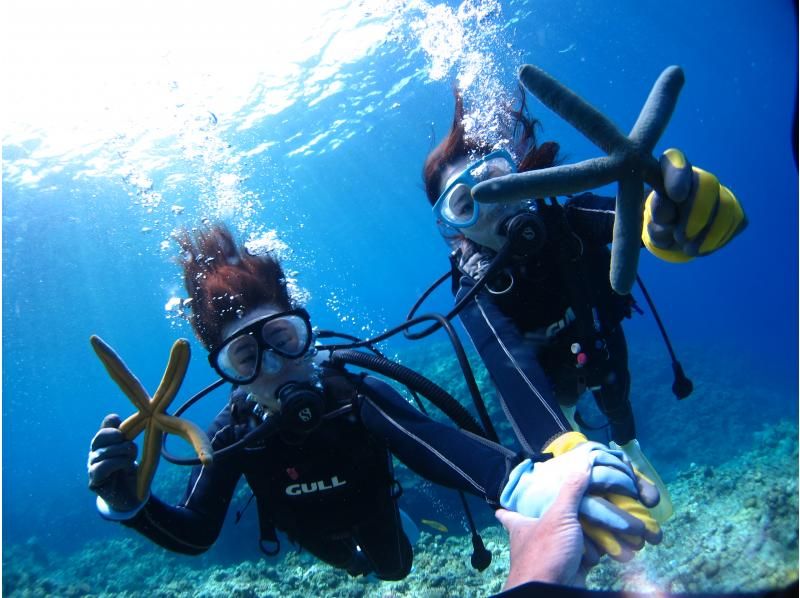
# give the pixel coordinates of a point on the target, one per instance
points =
(151, 417)
(630, 162)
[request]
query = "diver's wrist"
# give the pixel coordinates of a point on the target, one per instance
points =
(106, 512)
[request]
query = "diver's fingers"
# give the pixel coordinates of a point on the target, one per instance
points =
(610, 455)
(610, 479)
(633, 542)
(619, 454)
(613, 458)
(100, 472)
(511, 519)
(697, 211)
(648, 491)
(629, 545)
(591, 553)
(625, 554)
(607, 542)
(107, 437)
(126, 450)
(663, 211)
(677, 175)
(653, 533)
(608, 516)
(662, 236)
(112, 420)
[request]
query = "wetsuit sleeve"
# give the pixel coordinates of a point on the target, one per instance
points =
(591, 217)
(440, 453)
(193, 525)
(522, 387)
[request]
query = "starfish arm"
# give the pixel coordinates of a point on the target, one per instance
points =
(134, 425)
(148, 462)
(572, 108)
(658, 109)
(549, 182)
(627, 234)
(190, 432)
(173, 375)
(119, 372)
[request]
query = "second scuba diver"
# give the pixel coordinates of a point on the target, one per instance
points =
(324, 473)
(547, 323)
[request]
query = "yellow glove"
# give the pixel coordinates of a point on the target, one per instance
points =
(698, 217)
(602, 539)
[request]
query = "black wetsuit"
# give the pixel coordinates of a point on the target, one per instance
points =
(525, 339)
(332, 490)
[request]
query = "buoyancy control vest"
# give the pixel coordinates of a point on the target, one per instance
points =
(321, 487)
(562, 292)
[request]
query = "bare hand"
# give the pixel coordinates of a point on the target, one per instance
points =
(550, 548)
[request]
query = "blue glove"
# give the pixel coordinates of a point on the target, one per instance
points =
(112, 471)
(532, 487)
(612, 512)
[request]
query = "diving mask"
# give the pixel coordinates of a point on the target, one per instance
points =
(455, 205)
(260, 346)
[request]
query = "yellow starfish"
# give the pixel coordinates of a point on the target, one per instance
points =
(151, 416)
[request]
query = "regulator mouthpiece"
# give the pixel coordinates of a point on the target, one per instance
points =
(525, 232)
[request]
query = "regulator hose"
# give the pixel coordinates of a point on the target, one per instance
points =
(415, 381)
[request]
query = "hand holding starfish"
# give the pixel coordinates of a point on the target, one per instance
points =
(629, 162)
(151, 416)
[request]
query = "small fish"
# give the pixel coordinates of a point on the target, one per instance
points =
(434, 524)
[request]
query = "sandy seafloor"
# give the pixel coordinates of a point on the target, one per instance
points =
(735, 528)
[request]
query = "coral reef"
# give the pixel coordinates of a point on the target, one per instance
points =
(743, 510)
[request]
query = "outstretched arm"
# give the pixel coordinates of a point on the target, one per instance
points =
(453, 458)
(522, 386)
(193, 525)
(440, 453)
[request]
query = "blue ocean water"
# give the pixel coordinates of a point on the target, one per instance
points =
(313, 145)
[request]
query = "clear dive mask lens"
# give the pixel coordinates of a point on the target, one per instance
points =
(455, 205)
(261, 346)
(459, 207)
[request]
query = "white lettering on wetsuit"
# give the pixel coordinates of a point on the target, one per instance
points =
(298, 489)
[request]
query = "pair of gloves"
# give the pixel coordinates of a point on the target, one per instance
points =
(613, 512)
(112, 471)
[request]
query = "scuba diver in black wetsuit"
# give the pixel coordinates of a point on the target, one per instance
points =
(315, 442)
(547, 323)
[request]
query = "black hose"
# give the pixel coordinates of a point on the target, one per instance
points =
(354, 339)
(417, 382)
(481, 558)
(469, 377)
(461, 356)
(682, 386)
(425, 295)
(499, 262)
(267, 428)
